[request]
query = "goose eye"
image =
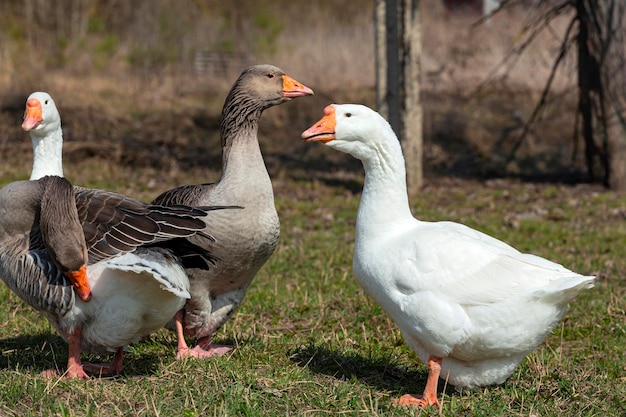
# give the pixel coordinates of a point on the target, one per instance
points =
(46, 102)
(270, 75)
(348, 114)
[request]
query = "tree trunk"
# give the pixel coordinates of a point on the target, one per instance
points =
(412, 142)
(614, 80)
(393, 81)
(398, 52)
(585, 71)
(602, 88)
(617, 150)
(381, 57)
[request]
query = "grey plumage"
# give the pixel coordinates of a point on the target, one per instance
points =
(58, 222)
(248, 237)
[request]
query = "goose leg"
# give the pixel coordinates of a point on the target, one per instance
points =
(182, 348)
(204, 344)
(111, 368)
(430, 392)
(203, 349)
(74, 365)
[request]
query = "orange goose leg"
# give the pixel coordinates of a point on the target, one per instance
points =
(204, 348)
(430, 392)
(74, 365)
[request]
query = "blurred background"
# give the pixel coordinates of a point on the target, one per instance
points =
(140, 84)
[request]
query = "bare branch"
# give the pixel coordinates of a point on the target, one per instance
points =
(529, 32)
(545, 92)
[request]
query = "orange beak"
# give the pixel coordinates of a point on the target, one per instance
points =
(293, 88)
(324, 129)
(81, 285)
(33, 115)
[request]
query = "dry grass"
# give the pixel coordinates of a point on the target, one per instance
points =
(117, 109)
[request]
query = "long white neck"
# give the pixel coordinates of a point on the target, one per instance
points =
(47, 154)
(384, 202)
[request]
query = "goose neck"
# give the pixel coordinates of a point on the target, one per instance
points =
(47, 155)
(384, 200)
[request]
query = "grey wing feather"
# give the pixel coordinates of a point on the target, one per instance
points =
(188, 195)
(38, 281)
(115, 224)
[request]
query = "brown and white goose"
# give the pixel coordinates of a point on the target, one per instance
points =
(246, 237)
(49, 228)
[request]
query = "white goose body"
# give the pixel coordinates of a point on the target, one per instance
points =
(462, 299)
(133, 289)
(134, 295)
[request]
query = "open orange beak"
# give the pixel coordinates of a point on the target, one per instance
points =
(293, 88)
(33, 115)
(324, 129)
(80, 282)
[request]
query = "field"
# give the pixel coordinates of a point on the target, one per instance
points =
(308, 340)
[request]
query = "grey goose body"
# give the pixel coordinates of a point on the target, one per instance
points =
(246, 238)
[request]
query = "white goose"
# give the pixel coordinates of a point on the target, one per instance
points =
(470, 306)
(57, 241)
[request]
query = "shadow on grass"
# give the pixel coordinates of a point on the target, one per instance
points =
(44, 351)
(379, 373)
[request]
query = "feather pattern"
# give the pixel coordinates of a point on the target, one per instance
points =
(246, 237)
(57, 241)
(37, 256)
(115, 224)
(185, 195)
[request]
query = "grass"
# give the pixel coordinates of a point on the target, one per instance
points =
(309, 342)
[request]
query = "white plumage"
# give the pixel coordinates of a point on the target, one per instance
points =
(465, 302)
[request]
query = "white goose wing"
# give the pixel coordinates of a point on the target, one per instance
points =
(468, 267)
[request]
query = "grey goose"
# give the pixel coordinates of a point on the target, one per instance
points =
(248, 237)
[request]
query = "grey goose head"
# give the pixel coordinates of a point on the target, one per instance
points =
(264, 86)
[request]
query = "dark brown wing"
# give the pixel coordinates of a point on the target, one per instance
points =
(114, 224)
(192, 255)
(59, 224)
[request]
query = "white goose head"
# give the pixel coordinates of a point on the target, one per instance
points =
(41, 116)
(43, 122)
(354, 129)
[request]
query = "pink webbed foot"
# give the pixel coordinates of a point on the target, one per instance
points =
(74, 365)
(430, 392)
(414, 400)
(201, 352)
(204, 348)
(75, 372)
(78, 370)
